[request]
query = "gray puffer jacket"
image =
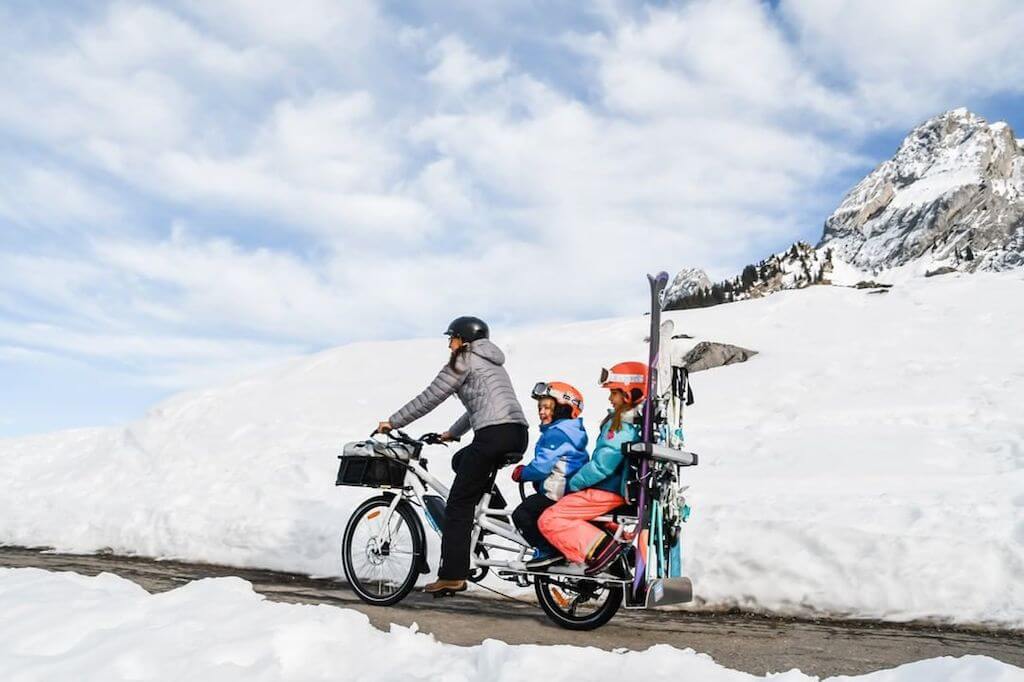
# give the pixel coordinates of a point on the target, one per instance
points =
(482, 385)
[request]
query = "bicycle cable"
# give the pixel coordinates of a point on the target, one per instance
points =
(506, 596)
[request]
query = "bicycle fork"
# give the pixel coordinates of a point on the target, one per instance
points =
(383, 535)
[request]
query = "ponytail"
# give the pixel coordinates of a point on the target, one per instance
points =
(455, 355)
(615, 418)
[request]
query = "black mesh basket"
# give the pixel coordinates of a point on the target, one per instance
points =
(370, 472)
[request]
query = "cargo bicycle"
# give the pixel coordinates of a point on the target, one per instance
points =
(384, 545)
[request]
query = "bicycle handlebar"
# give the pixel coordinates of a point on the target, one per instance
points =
(402, 437)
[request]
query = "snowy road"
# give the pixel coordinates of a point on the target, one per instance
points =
(753, 644)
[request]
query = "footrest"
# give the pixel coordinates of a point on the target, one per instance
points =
(668, 591)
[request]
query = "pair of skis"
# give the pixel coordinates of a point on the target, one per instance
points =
(668, 392)
(649, 433)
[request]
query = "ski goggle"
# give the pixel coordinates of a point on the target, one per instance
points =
(608, 377)
(542, 389)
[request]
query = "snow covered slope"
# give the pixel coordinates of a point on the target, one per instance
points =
(868, 462)
(62, 626)
(953, 193)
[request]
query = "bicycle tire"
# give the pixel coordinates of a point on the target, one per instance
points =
(563, 618)
(418, 550)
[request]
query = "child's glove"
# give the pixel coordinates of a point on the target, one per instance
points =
(517, 473)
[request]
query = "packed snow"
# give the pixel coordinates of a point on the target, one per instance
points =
(931, 187)
(868, 462)
(63, 626)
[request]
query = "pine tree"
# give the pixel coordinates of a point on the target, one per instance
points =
(749, 276)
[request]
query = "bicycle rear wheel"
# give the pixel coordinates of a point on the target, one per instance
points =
(380, 562)
(578, 603)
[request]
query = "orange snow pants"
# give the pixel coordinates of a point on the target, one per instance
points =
(566, 524)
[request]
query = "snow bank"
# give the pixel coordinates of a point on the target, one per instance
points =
(63, 626)
(869, 462)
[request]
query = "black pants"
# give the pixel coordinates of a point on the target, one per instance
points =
(525, 517)
(475, 467)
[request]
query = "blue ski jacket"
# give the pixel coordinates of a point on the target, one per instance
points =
(606, 469)
(559, 453)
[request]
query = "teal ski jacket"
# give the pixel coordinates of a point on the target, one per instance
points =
(606, 469)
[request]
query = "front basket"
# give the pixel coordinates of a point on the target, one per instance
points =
(370, 472)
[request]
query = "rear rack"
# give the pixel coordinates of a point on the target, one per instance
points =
(660, 453)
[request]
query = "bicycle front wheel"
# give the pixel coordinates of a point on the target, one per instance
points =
(381, 555)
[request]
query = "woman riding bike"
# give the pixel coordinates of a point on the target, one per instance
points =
(475, 373)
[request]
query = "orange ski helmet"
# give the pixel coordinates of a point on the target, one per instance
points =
(628, 377)
(562, 393)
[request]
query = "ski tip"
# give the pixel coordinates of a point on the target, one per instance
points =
(659, 277)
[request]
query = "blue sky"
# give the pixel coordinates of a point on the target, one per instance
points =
(193, 190)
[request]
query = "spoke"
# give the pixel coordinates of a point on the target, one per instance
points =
(382, 574)
(363, 563)
(397, 577)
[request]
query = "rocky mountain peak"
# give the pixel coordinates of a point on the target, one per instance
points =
(953, 193)
(687, 282)
(950, 199)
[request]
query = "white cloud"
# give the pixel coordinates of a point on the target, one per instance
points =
(905, 61)
(726, 58)
(44, 197)
(131, 78)
(134, 34)
(321, 24)
(183, 116)
(459, 69)
(217, 284)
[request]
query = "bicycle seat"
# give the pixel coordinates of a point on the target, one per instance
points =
(511, 458)
(623, 511)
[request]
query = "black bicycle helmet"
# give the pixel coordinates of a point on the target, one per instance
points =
(468, 329)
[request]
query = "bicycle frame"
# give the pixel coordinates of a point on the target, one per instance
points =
(418, 481)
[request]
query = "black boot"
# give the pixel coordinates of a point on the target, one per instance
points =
(604, 553)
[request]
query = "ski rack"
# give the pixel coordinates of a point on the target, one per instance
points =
(660, 453)
(652, 585)
(664, 590)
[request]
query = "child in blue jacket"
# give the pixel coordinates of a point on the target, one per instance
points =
(560, 452)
